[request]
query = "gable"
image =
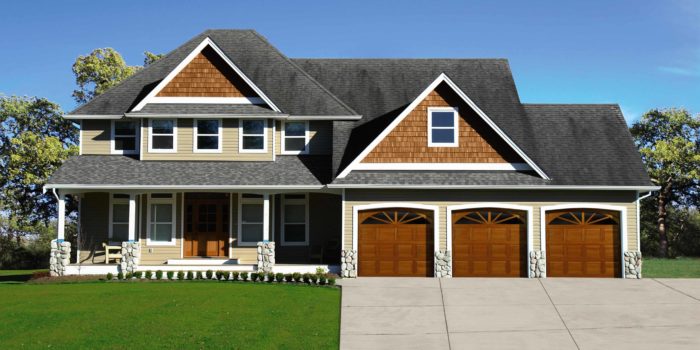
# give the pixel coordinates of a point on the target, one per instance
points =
(207, 75)
(408, 141)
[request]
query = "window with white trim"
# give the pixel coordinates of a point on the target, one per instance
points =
(162, 135)
(252, 135)
(443, 127)
(124, 137)
(250, 209)
(161, 219)
(295, 217)
(295, 137)
(119, 218)
(207, 135)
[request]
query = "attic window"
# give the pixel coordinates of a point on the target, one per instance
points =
(442, 127)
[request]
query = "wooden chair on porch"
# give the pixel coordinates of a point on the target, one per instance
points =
(109, 248)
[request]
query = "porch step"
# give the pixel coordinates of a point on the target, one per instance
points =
(202, 262)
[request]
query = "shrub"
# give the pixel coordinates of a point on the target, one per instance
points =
(244, 276)
(188, 275)
(138, 274)
(321, 279)
(254, 276)
(210, 273)
(220, 275)
(270, 277)
(180, 275)
(159, 274)
(288, 278)
(331, 280)
(129, 275)
(313, 279)
(296, 276)
(320, 271)
(149, 274)
(306, 277)
(170, 274)
(120, 276)
(279, 277)
(199, 275)
(110, 276)
(234, 275)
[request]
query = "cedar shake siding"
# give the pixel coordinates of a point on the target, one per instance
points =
(207, 75)
(408, 142)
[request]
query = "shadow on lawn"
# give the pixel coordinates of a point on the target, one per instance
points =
(16, 278)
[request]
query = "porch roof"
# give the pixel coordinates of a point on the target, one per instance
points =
(121, 171)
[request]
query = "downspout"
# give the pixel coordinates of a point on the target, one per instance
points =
(639, 229)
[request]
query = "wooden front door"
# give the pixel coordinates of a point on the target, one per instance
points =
(206, 225)
(583, 243)
(489, 243)
(395, 242)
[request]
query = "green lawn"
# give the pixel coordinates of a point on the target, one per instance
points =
(188, 315)
(668, 268)
(16, 276)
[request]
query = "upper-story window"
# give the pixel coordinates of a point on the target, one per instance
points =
(162, 135)
(207, 135)
(443, 129)
(124, 137)
(295, 137)
(252, 136)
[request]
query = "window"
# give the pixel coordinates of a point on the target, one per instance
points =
(161, 219)
(163, 135)
(294, 218)
(252, 136)
(442, 127)
(119, 218)
(295, 137)
(207, 135)
(250, 208)
(124, 136)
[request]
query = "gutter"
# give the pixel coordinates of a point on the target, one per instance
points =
(183, 187)
(499, 187)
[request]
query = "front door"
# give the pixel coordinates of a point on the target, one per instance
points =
(206, 225)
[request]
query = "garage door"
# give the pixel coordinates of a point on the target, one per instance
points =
(583, 243)
(395, 242)
(489, 243)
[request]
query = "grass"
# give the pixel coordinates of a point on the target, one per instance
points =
(671, 268)
(118, 315)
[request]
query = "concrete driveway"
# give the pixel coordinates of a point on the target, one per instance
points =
(472, 313)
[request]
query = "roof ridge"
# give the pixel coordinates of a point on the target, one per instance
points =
(571, 104)
(402, 59)
(262, 39)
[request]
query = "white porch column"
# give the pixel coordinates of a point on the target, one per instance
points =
(61, 218)
(132, 217)
(266, 217)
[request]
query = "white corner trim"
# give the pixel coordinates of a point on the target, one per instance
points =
(283, 136)
(444, 166)
(526, 208)
(441, 78)
(206, 42)
(80, 141)
(264, 134)
(455, 127)
(623, 223)
(137, 138)
(150, 138)
(342, 219)
(195, 134)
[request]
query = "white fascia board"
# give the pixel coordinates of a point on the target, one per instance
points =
(183, 187)
(499, 187)
(198, 115)
(444, 166)
(325, 117)
(208, 100)
(93, 116)
(440, 79)
(206, 42)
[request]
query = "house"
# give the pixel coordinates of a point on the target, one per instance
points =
(227, 155)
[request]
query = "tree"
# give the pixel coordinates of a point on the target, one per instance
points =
(669, 142)
(34, 141)
(102, 69)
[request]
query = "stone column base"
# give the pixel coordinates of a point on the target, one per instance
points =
(131, 255)
(266, 256)
(348, 263)
(537, 264)
(59, 258)
(443, 260)
(633, 264)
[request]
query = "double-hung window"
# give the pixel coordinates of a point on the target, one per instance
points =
(124, 137)
(252, 136)
(295, 137)
(443, 127)
(295, 229)
(119, 218)
(250, 207)
(207, 135)
(161, 219)
(162, 135)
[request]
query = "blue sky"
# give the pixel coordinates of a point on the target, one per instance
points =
(640, 54)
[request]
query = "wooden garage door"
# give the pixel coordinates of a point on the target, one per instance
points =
(395, 242)
(489, 243)
(583, 243)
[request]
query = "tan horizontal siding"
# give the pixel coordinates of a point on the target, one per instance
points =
(320, 137)
(96, 136)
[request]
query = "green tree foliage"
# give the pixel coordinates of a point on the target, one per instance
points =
(102, 69)
(669, 142)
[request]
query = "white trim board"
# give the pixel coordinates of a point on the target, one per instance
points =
(93, 116)
(219, 135)
(493, 187)
(206, 42)
(440, 79)
(444, 166)
(209, 100)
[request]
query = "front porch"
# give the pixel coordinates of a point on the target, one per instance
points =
(199, 231)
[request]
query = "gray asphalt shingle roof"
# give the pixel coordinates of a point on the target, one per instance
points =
(205, 108)
(441, 178)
